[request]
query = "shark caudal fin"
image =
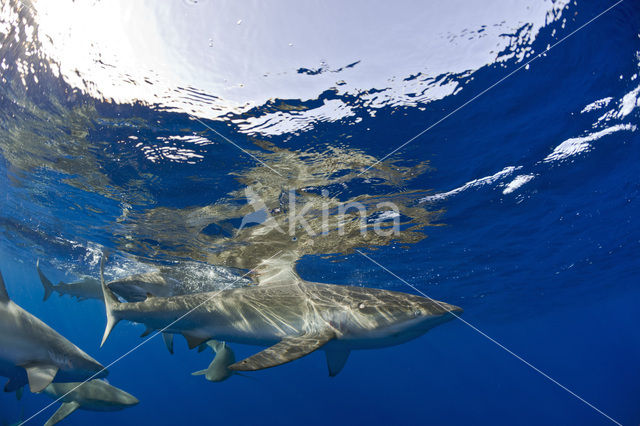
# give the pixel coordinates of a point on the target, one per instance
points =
(110, 302)
(48, 285)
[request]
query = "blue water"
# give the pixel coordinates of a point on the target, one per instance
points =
(548, 271)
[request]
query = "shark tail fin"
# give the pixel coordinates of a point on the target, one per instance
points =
(48, 285)
(110, 302)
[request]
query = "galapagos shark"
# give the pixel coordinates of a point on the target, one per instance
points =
(218, 370)
(290, 316)
(133, 288)
(32, 352)
(86, 288)
(94, 395)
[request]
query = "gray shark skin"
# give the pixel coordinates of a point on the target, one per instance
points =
(32, 352)
(86, 288)
(218, 370)
(291, 316)
(134, 288)
(94, 395)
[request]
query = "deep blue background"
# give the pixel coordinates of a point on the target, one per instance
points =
(550, 271)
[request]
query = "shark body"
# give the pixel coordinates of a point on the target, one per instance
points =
(218, 370)
(134, 288)
(94, 395)
(32, 352)
(291, 316)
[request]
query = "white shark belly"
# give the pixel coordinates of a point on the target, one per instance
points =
(389, 336)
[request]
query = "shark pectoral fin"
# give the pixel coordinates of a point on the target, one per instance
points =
(168, 341)
(64, 410)
(289, 349)
(40, 376)
(194, 341)
(199, 373)
(336, 359)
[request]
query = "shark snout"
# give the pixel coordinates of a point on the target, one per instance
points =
(434, 308)
(130, 292)
(94, 368)
(128, 399)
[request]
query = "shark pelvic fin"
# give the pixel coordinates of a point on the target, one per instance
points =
(4, 296)
(287, 350)
(194, 341)
(168, 341)
(147, 332)
(336, 359)
(110, 302)
(40, 376)
(46, 284)
(64, 410)
(15, 383)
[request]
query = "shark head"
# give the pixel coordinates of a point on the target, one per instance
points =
(120, 398)
(95, 395)
(136, 288)
(389, 317)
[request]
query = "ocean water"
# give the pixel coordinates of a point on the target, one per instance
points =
(506, 133)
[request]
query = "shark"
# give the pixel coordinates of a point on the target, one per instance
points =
(85, 288)
(94, 395)
(218, 370)
(133, 288)
(34, 353)
(288, 315)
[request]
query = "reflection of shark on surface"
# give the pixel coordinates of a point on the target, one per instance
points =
(95, 395)
(218, 370)
(291, 316)
(32, 352)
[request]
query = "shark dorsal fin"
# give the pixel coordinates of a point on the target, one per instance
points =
(278, 270)
(4, 296)
(287, 350)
